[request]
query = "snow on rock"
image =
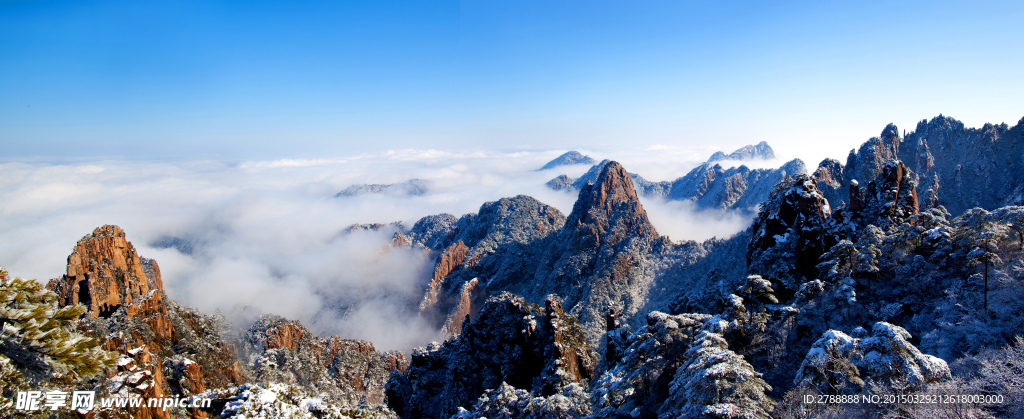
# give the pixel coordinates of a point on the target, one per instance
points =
(507, 402)
(710, 185)
(347, 373)
(569, 158)
(838, 363)
(787, 236)
(412, 187)
(635, 378)
(279, 401)
(957, 167)
(536, 351)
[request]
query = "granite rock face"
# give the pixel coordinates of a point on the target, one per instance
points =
(104, 272)
(538, 350)
(591, 258)
(349, 373)
(494, 243)
(173, 350)
(953, 166)
(597, 258)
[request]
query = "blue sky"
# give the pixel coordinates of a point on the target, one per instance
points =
(263, 80)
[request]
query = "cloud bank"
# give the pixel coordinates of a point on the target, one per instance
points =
(248, 238)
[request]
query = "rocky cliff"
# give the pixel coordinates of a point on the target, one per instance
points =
(348, 373)
(173, 350)
(104, 273)
(495, 243)
(597, 258)
(956, 167)
(541, 351)
(591, 258)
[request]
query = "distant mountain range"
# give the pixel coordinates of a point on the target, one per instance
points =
(709, 185)
(897, 289)
(412, 187)
(567, 159)
(956, 167)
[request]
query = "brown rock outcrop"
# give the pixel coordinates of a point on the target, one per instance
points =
(471, 297)
(609, 211)
(448, 261)
(569, 347)
(286, 336)
(400, 240)
(128, 310)
(596, 258)
(104, 273)
(350, 372)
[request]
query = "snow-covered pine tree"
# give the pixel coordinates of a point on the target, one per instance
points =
(35, 332)
(840, 364)
(716, 382)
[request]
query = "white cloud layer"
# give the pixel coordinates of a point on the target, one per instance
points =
(268, 237)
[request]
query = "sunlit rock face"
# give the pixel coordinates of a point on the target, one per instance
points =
(104, 272)
(173, 350)
(591, 258)
(350, 373)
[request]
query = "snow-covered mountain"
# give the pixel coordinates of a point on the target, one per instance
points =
(956, 167)
(711, 185)
(850, 282)
(568, 158)
(411, 187)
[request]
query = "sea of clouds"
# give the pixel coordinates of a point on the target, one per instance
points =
(252, 237)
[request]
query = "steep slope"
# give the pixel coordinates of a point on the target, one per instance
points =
(597, 258)
(760, 151)
(493, 243)
(181, 351)
(171, 350)
(510, 343)
(592, 258)
(348, 373)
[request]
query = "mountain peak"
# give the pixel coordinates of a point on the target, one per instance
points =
(610, 205)
(568, 158)
(104, 272)
(760, 151)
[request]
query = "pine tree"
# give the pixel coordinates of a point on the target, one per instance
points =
(716, 382)
(34, 329)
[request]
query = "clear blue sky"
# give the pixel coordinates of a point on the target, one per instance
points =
(259, 79)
